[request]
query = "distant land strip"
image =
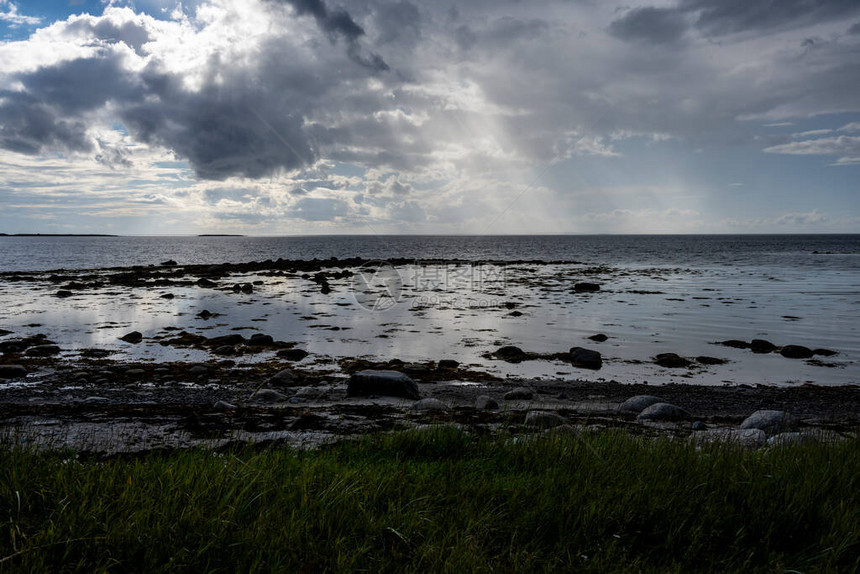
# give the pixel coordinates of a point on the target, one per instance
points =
(57, 235)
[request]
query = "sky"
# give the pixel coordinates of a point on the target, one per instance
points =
(285, 117)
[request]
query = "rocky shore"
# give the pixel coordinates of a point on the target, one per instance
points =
(243, 384)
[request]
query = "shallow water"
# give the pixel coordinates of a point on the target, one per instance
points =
(460, 312)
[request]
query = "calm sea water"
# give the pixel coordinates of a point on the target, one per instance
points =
(834, 252)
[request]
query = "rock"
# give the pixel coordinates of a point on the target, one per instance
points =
(134, 337)
(223, 406)
(132, 373)
(447, 364)
(284, 377)
(789, 438)
(198, 370)
(638, 403)
(770, 421)
(706, 360)
(204, 314)
(600, 337)
(762, 346)
(544, 419)
(510, 353)
(735, 344)
(750, 438)
(824, 352)
(416, 369)
(269, 396)
(796, 352)
(672, 361)
(225, 350)
(429, 404)
(519, 394)
(247, 288)
(237, 288)
(43, 351)
(260, 340)
(663, 412)
(293, 354)
(485, 403)
(586, 287)
(325, 288)
(168, 296)
(168, 263)
(585, 358)
(699, 426)
(233, 340)
(12, 372)
(385, 383)
(204, 282)
(63, 293)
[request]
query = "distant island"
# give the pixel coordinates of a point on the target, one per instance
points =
(57, 235)
(220, 235)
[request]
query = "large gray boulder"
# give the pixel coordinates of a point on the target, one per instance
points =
(384, 383)
(585, 358)
(663, 412)
(638, 403)
(770, 421)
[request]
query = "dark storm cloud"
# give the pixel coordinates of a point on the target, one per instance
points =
(336, 24)
(398, 23)
(717, 17)
(855, 29)
(651, 25)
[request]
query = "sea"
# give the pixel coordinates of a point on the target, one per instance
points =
(659, 293)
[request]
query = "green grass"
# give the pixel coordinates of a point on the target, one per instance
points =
(438, 501)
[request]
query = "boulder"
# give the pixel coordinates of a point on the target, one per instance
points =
(762, 346)
(198, 370)
(699, 426)
(204, 314)
(789, 438)
(233, 340)
(638, 403)
(292, 354)
(796, 352)
(663, 412)
(584, 287)
(283, 378)
(672, 361)
(225, 350)
(824, 352)
(485, 403)
(12, 372)
(63, 293)
(223, 406)
(735, 344)
(43, 350)
(168, 263)
(260, 340)
(585, 358)
(706, 360)
(544, 419)
(247, 288)
(168, 296)
(204, 282)
(519, 394)
(770, 421)
(385, 383)
(134, 337)
(600, 337)
(269, 396)
(510, 353)
(447, 364)
(429, 404)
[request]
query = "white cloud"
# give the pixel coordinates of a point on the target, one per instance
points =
(9, 13)
(846, 147)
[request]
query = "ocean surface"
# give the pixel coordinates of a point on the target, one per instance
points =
(659, 294)
(786, 252)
